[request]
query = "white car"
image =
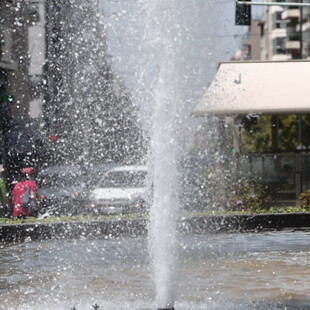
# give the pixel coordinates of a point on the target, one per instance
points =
(121, 190)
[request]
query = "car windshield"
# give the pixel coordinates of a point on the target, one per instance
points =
(58, 180)
(123, 179)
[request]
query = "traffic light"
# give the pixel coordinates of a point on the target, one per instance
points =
(243, 13)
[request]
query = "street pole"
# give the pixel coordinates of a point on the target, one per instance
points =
(300, 30)
(301, 57)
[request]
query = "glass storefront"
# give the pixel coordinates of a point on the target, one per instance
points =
(286, 175)
(305, 172)
(278, 151)
(278, 172)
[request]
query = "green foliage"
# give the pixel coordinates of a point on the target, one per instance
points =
(288, 132)
(258, 137)
(305, 129)
(305, 199)
(66, 218)
(31, 220)
(266, 210)
(285, 210)
(248, 196)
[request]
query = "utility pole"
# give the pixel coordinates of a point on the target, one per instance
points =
(300, 29)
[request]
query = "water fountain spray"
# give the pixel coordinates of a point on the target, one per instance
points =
(162, 36)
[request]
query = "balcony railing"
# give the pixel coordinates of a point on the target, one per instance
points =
(290, 14)
(292, 45)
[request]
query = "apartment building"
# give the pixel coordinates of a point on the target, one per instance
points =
(22, 54)
(285, 33)
(41, 43)
(22, 57)
(282, 34)
(251, 43)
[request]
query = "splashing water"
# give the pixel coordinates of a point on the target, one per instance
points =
(164, 148)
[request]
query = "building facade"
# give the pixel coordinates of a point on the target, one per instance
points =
(282, 34)
(22, 58)
(22, 55)
(286, 33)
(284, 37)
(251, 43)
(59, 96)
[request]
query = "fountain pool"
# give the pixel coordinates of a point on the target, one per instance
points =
(227, 271)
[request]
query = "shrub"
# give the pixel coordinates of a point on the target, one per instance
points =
(305, 198)
(246, 195)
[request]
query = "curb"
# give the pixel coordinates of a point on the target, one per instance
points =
(243, 223)
(138, 227)
(72, 230)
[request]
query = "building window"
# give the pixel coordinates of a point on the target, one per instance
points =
(278, 22)
(278, 45)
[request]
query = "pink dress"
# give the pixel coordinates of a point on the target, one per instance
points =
(17, 194)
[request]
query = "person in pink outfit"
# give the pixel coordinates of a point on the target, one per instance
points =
(19, 190)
